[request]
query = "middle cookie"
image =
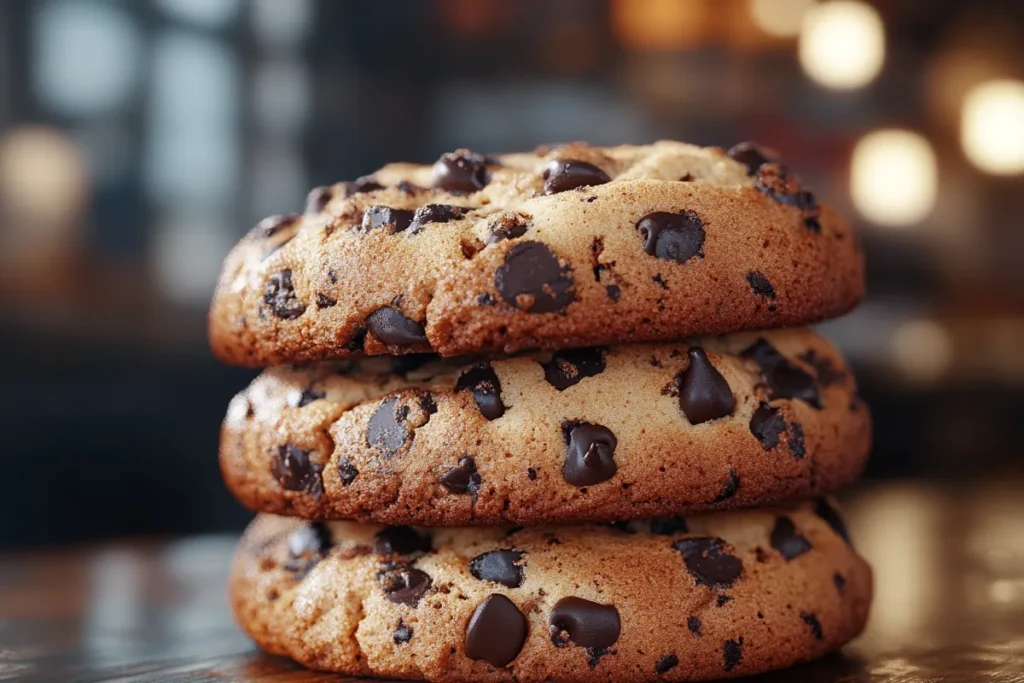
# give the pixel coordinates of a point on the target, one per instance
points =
(592, 434)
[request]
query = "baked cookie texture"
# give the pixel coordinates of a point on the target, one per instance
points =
(595, 434)
(674, 599)
(565, 247)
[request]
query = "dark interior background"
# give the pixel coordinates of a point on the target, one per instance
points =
(139, 139)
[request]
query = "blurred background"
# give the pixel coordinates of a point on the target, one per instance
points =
(140, 139)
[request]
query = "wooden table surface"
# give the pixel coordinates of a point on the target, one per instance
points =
(949, 605)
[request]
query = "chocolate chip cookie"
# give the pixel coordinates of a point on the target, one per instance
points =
(572, 246)
(591, 434)
(675, 599)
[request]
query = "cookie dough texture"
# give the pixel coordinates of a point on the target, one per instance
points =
(708, 597)
(596, 434)
(565, 247)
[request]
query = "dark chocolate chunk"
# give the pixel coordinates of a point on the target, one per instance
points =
(461, 171)
(587, 624)
(400, 540)
(294, 471)
(812, 621)
(796, 440)
(405, 585)
(732, 483)
(387, 429)
(667, 526)
(307, 396)
(318, 198)
(704, 394)
(496, 631)
(364, 184)
(732, 653)
(271, 225)
(722, 599)
(767, 424)
(824, 509)
(567, 368)
(485, 299)
(532, 279)
(501, 566)
(782, 378)
(613, 292)
(693, 623)
(463, 477)
(391, 328)
(562, 174)
(324, 301)
(759, 283)
(307, 545)
(778, 182)
(708, 562)
(666, 663)
(347, 472)
(508, 226)
(483, 382)
(395, 220)
(752, 155)
(590, 453)
(826, 372)
(672, 236)
(279, 294)
(787, 540)
(402, 634)
(436, 213)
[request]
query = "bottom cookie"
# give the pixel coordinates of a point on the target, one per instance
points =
(705, 597)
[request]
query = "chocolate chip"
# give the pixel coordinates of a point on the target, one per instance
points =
(752, 155)
(567, 368)
(759, 283)
(796, 440)
(666, 663)
(387, 431)
(508, 226)
(776, 181)
(667, 526)
(279, 294)
(460, 171)
(590, 453)
(318, 199)
(361, 185)
(407, 188)
(840, 581)
(496, 631)
(271, 225)
(722, 599)
(561, 175)
(787, 540)
(405, 585)
(767, 424)
(588, 624)
(732, 483)
(402, 634)
(427, 404)
(294, 471)
(732, 653)
(324, 301)
(400, 540)
(782, 378)
(531, 473)
(395, 220)
(307, 545)
(812, 621)
(823, 509)
(672, 236)
(483, 382)
(693, 623)
(826, 372)
(500, 566)
(347, 472)
(708, 562)
(463, 477)
(532, 279)
(356, 342)
(436, 213)
(613, 292)
(307, 396)
(391, 328)
(703, 393)
(485, 299)
(660, 281)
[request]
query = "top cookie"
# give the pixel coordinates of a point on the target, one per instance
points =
(564, 247)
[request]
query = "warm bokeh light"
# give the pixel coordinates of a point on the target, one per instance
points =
(992, 127)
(842, 44)
(43, 178)
(894, 177)
(922, 350)
(781, 18)
(659, 25)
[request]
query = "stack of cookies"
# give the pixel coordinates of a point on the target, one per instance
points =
(534, 417)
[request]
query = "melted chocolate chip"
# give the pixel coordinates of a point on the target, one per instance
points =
(672, 236)
(778, 182)
(666, 663)
(324, 301)
(812, 621)
(732, 653)
(508, 227)
(532, 279)
(279, 294)
(787, 540)
(729, 488)
(460, 171)
(356, 342)
(588, 624)
(307, 545)
(707, 561)
(387, 431)
(395, 220)
(704, 394)
(402, 634)
(567, 368)
(796, 440)
(496, 631)
(294, 471)
(501, 566)
(463, 477)
(613, 292)
(667, 526)
(590, 455)
(347, 472)
(722, 599)
(782, 378)
(823, 509)
(318, 199)
(391, 328)
(759, 283)
(767, 424)
(483, 382)
(400, 540)
(436, 213)
(693, 623)
(826, 372)
(561, 175)
(361, 185)
(752, 155)
(271, 225)
(405, 585)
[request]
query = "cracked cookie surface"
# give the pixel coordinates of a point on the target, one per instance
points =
(565, 247)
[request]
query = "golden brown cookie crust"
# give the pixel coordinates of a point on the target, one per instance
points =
(717, 596)
(374, 444)
(521, 269)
